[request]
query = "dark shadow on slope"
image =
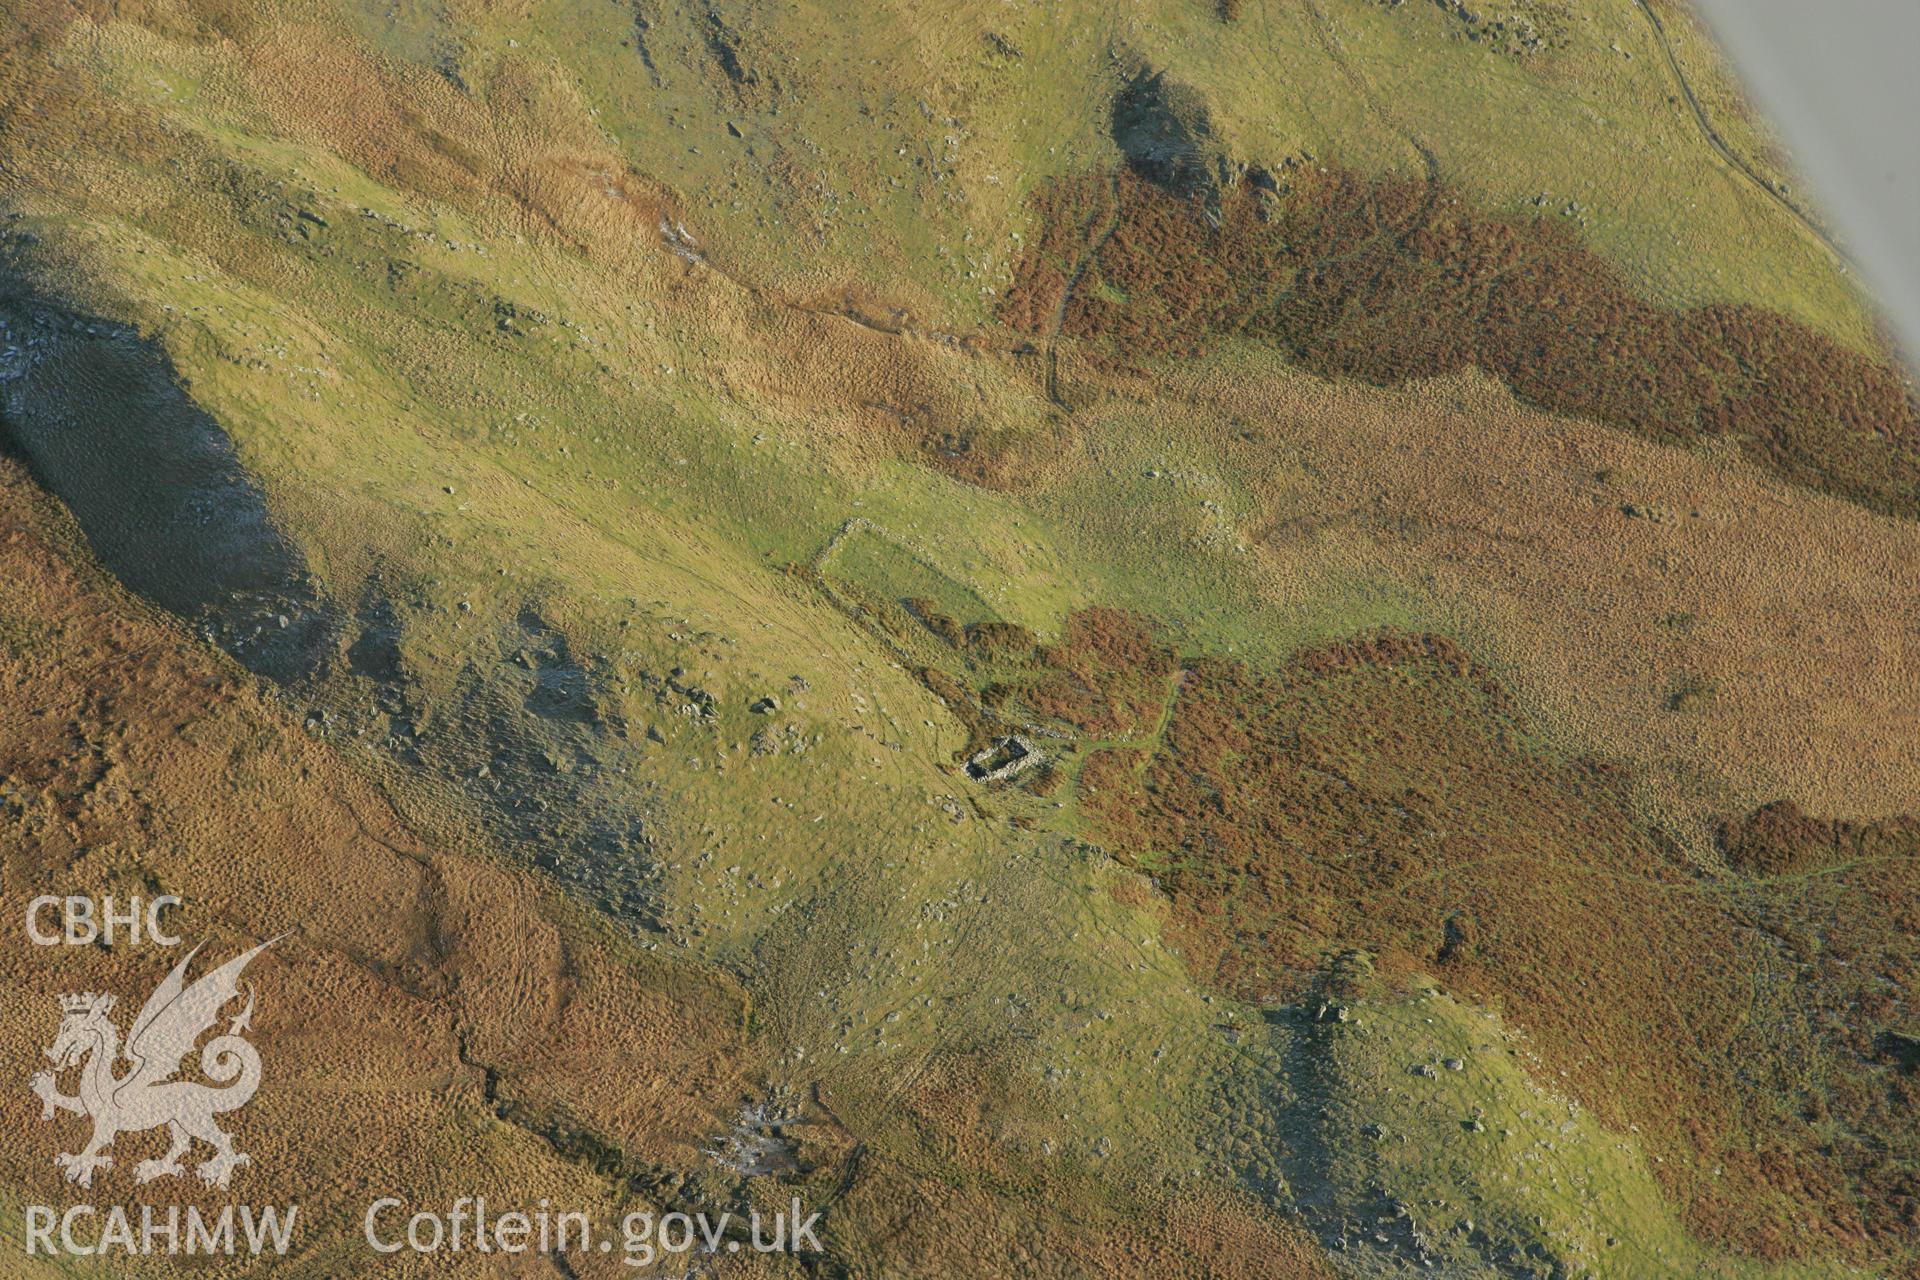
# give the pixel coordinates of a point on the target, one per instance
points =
(1163, 128)
(99, 417)
(1306, 1136)
(529, 731)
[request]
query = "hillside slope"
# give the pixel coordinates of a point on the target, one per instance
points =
(545, 501)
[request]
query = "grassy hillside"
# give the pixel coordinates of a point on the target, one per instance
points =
(604, 444)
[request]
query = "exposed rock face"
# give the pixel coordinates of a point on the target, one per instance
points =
(1163, 128)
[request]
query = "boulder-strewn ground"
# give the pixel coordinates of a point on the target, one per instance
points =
(541, 502)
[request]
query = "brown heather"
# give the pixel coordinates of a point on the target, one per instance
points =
(1389, 279)
(1385, 793)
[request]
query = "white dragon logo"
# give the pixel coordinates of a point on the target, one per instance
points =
(146, 1096)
